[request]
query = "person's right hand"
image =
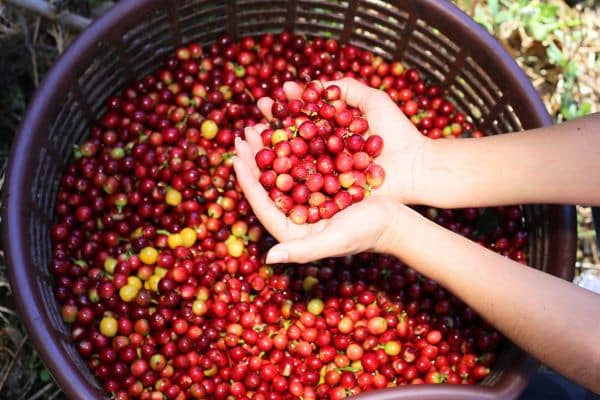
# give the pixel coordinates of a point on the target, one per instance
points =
(403, 144)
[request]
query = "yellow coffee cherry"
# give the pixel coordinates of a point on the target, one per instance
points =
(160, 272)
(174, 240)
(279, 135)
(209, 129)
(135, 282)
(172, 197)
(148, 255)
(188, 237)
(109, 265)
(153, 282)
(235, 246)
(128, 293)
(108, 326)
(309, 283)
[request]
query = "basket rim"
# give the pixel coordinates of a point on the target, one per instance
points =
(16, 199)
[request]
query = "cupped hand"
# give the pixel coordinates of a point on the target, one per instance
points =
(364, 226)
(403, 147)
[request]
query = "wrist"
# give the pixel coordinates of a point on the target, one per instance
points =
(421, 174)
(442, 179)
(398, 223)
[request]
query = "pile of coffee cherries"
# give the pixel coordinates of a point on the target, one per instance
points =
(158, 258)
(319, 161)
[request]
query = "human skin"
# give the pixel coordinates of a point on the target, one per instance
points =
(552, 319)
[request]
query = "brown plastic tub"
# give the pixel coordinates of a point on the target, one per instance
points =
(128, 42)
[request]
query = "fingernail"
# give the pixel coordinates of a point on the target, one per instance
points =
(276, 256)
(237, 140)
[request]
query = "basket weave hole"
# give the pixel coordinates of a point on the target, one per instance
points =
(377, 29)
(389, 24)
(439, 53)
(316, 19)
(40, 247)
(146, 24)
(104, 56)
(51, 305)
(385, 21)
(68, 128)
(251, 19)
(482, 82)
(148, 46)
(146, 63)
(464, 105)
(99, 95)
(512, 116)
(202, 23)
(105, 75)
(505, 122)
(263, 5)
(366, 40)
(158, 34)
(419, 59)
(45, 183)
(479, 106)
(437, 36)
(384, 10)
(437, 66)
(195, 14)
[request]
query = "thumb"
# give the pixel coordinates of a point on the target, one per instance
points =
(313, 247)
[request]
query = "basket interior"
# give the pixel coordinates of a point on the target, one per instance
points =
(394, 30)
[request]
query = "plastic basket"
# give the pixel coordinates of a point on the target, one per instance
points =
(131, 39)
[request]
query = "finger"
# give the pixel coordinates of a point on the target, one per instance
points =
(315, 246)
(266, 211)
(354, 92)
(264, 105)
(292, 90)
(244, 152)
(253, 137)
(369, 100)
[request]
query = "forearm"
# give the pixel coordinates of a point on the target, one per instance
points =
(554, 320)
(556, 164)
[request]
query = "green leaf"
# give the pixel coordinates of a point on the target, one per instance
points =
(540, 30)
(493, 7)
(549, 11)
(555, 54)
(482, 19)
(586, 108)
(571, 69)
(503, 16)
(44, 375)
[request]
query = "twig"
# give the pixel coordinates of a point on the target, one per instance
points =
(43, 8)
(30, 379)
(30, 47)
(4, 310)
(34, 63)
(55, 394)
(12, 362)
(42, 391)
(473, 7)
(7, 310)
